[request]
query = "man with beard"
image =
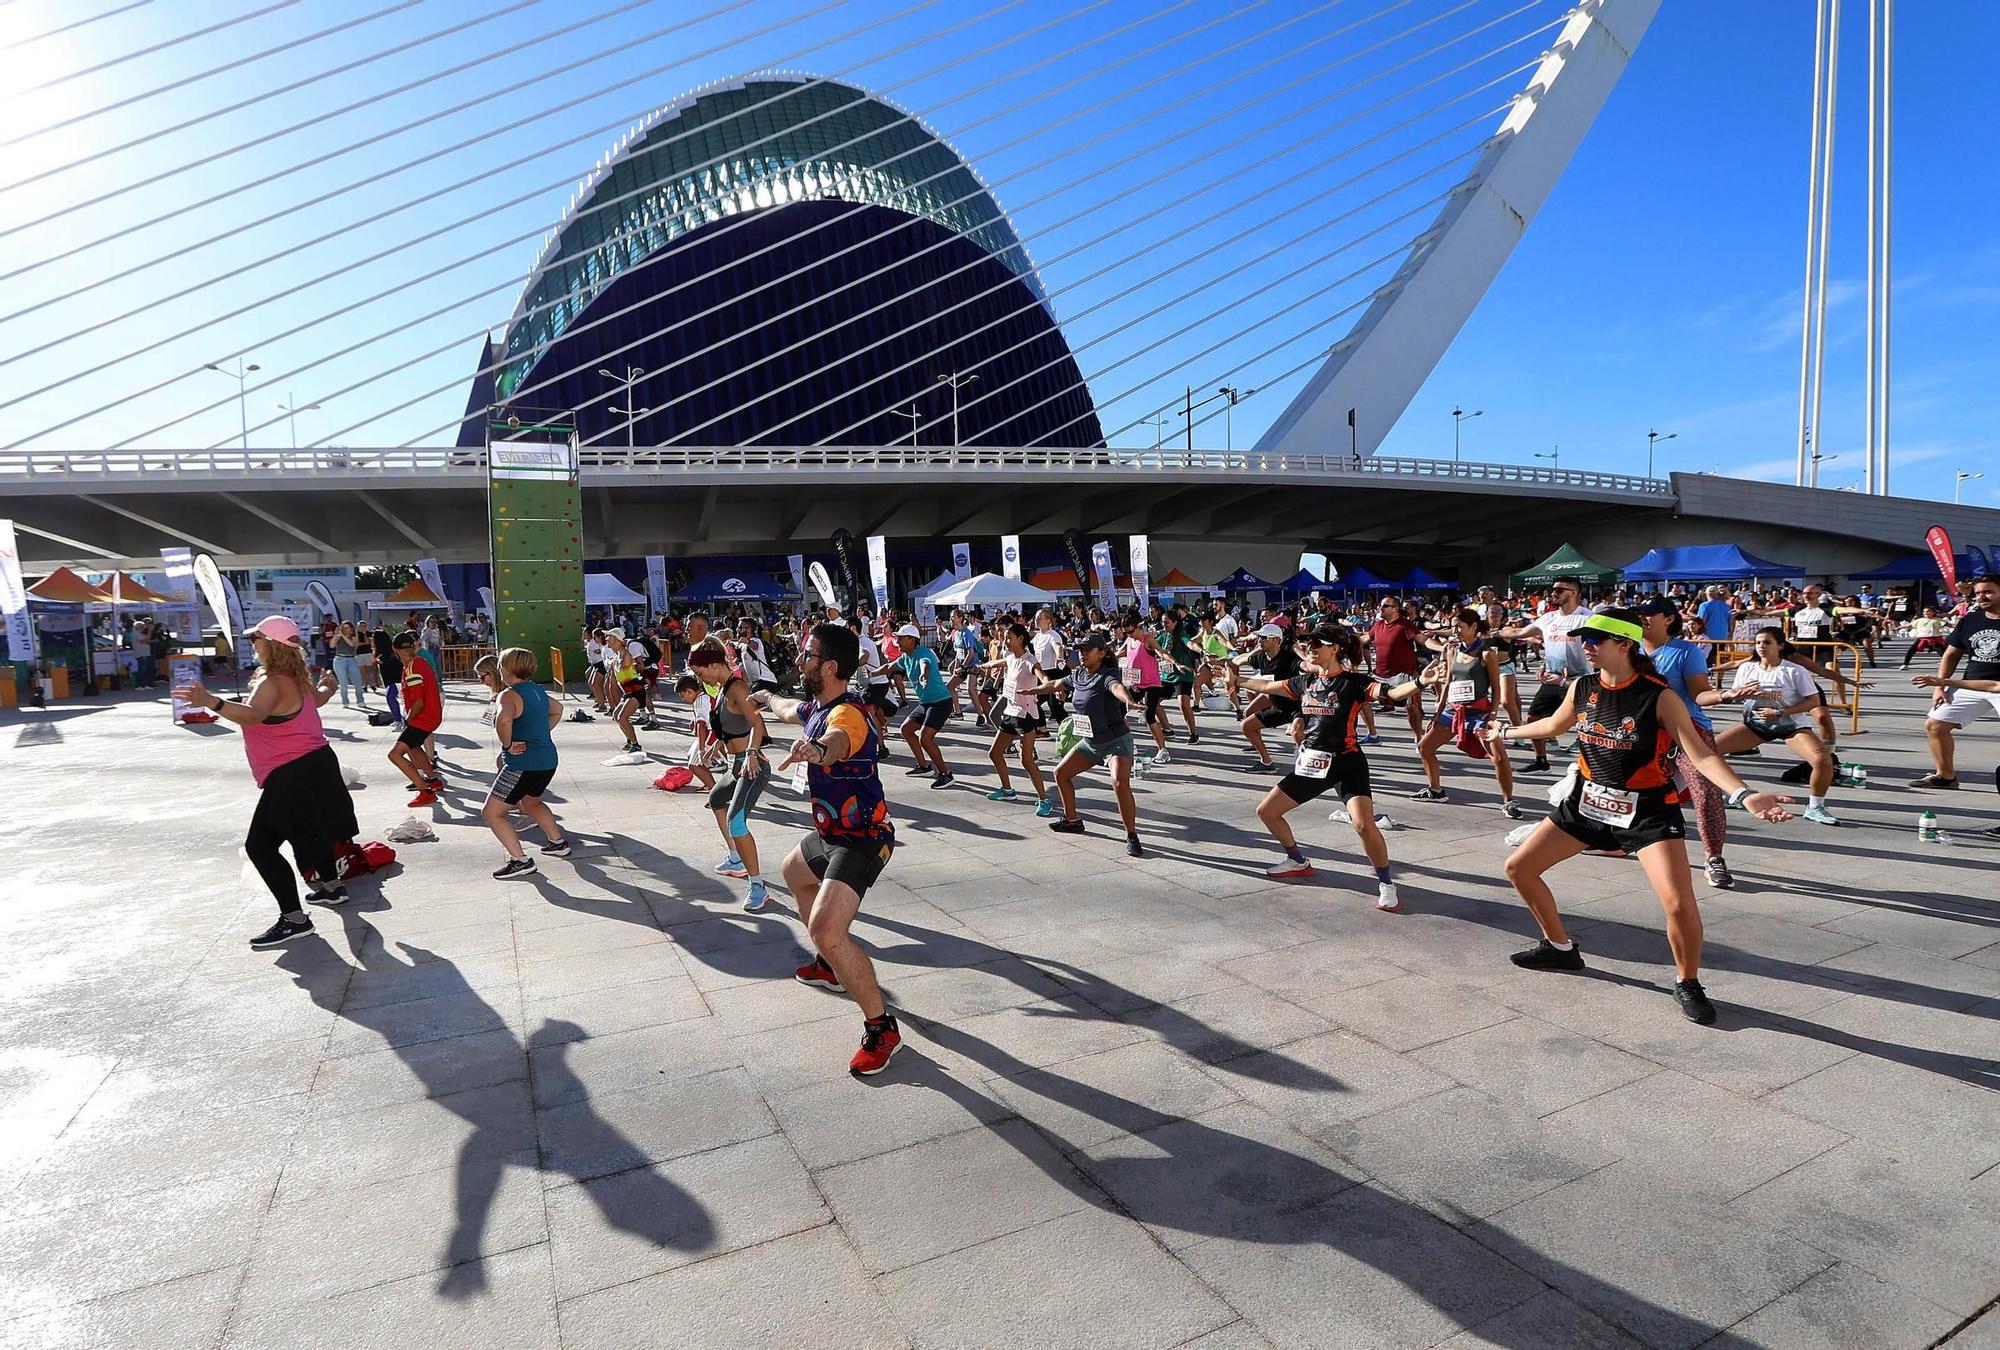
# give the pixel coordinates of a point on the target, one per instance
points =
(833, 868)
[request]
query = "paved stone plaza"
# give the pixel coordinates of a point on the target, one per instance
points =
(1160, 1103)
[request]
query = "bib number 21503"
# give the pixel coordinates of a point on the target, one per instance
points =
(1607, 805)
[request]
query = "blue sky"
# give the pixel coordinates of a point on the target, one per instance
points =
(1658, 289)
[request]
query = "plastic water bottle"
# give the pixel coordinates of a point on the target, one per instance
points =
(1927, 828)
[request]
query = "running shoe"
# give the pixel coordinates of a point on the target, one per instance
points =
(819, 975)
(1370, 739)
(1934, 780)
(634, 748)
(1694, 1003)
(732, 866)
(1386, 898)
(424, 798)
(1819, 815)
(1429, 794)
(1993, 833)
(1289, 868)
(1539, 764)
(1719, 876)
(1194, 738)
(1065, 825)
(434, 783)
(943, 780)
(1161, 757)
(918, 771)
(1045, 809)
(1545, 955)
(760, 891)
(284, 930)
(557, 849)
(514, 867)
(1133, 848)
(1002, 795)
(880, 1040)
(1511, 809)
(1261, 766)
(331, 897)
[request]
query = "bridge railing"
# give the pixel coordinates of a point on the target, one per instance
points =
(779, 459)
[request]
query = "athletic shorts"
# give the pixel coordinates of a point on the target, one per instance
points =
(1151, 699)
(739, 792)
(856, 865)
(1097, 752)
(633, 688)
(1278, 715)
(1348, 776)
(1781, 730)
(878, 697)
(1656, 820)
(1966, 707)
(927, 716)
(414, 737)
(511, 785)
(1508, 668)
(1548, 698)
(1021, 726)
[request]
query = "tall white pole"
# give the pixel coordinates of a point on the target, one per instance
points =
(1869, 329)
(1812, 249)
(1825, 206)
(1888, 200)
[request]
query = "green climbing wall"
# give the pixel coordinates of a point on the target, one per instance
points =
(533, 516)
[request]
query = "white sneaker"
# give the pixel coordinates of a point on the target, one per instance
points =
(1386, 897)
(1161, 757)
(1819, 815)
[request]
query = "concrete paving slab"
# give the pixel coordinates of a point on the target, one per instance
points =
(1843, 1306)
(1537, 1067)
(1096, 1098)
(187, 1313)
(617, 1131)
(1547, 1319)
(504, 1302)
(1904, 1112)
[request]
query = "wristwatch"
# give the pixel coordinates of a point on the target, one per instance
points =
(1741, 795)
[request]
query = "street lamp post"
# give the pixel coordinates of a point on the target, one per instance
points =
(241, 373)
(955, 380)
(1188, 405)
(1651, 438)
(1235, 397)
(631, 411)
(1555, 454)
(1459, 415)
(291, 409)
(1958, 484)
(913, 415)
(1158, 422)
(1817, 460)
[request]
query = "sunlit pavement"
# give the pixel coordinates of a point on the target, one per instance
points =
(1145, 1103)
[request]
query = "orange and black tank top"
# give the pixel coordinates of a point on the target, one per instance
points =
(1620, 740)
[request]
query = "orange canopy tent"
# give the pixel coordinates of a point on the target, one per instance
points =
(132, 591)
(64, 587)
(416, 595)
(1062, 581)
(1177, 580)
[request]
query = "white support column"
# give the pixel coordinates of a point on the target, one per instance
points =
(1807, 431)
(1825, 210)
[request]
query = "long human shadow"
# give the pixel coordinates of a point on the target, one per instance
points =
(1195, 1178)
(651, 1207)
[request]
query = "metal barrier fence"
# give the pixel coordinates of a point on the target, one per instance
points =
(1731, 652)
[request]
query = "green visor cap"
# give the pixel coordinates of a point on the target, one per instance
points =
(1610, 627)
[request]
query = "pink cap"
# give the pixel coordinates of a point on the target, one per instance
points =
(278, 628)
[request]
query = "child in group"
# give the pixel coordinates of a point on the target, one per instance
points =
(701, 749)
(423, 713)
(525, 718)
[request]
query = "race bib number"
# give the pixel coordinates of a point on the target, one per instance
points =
(1458, 691)
(1313, 763)
(1606, 805)
(799, 780)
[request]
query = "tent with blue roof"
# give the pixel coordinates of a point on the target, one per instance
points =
(1420, 580)
(749, 585)
(1240, 580)
(1361, 579)
(1303, 582)
(1911, 567)
(1706, 562)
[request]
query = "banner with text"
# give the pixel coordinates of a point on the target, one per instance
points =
(656, 582)
(878, 572)
(961, 560)
(316, 590)
(797, 562)
(1941, 554)
(179, 565)
(235, 610)
(1142, 580)
(1107, 581)
(427, 568)
(14, 598)
(1010, 556)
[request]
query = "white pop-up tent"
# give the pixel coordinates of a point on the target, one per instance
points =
(987, 588)
(601, 588)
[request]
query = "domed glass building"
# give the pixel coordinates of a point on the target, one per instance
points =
(791, 261)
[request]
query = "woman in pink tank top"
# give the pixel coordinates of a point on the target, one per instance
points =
(304, 800)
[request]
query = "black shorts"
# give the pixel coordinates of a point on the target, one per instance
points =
(1021, 726)
(856, 865)
(928, 716)
(1151, 699)
(414, 737)
(1656, 820)
(878, 697)
(1348, 776)
(513, 784)
(1783, 729)
(1278, 715)
(1548, 698)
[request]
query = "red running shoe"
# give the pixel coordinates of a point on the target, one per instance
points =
(434, 784)
(424, 798)
(879, 1041)
(819, 975)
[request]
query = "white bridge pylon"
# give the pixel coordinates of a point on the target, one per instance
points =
(1371, 375)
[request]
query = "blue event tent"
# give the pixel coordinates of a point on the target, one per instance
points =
(1361, 579)
(733, 586)
(1706, 562)
(1911, 567)
(1420, 580)
(1303, 582)
(1240, 580)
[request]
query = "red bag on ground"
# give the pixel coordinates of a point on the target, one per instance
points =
(358, 860)
(674, 779)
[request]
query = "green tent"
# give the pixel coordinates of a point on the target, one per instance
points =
(1565, 564)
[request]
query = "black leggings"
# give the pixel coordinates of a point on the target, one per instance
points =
(261, 843)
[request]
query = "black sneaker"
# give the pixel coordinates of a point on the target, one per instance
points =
(284, 930)
(1545, 955)
(1539, 764)
(1429, 794)
(1798, 773)
(1934, 780)
(1133, 848)
(514, 867)
(919, 771)
(1194, 738)
(1694, 1003)
(558, 849)
(1993, 833)
(1061, 826)
(1260, 766)
(1719, 875)
(331, 896)
(943, 780)
(1511, 809)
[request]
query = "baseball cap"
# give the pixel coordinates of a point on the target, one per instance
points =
(278, 628)
(1660, 604)
(1324, 636)
(910, 630)
(1270, 630)
(1096, 637)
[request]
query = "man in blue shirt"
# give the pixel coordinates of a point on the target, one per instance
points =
(1718, 618)
(923, 683)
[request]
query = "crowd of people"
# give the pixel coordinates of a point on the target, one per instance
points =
(1651, 707)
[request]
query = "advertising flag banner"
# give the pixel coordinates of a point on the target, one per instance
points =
(824, 585)
(1107, 582)
(961, 560)
(1073, 550)
(235, 611)
(219, 601)
(1010, 556)
(14, 598)
(843, 554)
(1142, 580)
(878, 572)
(656, 582)
(427, 568)
(179, 565)
(798, 564)
(1980, 566)
(1940, 546)
(323, 598)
